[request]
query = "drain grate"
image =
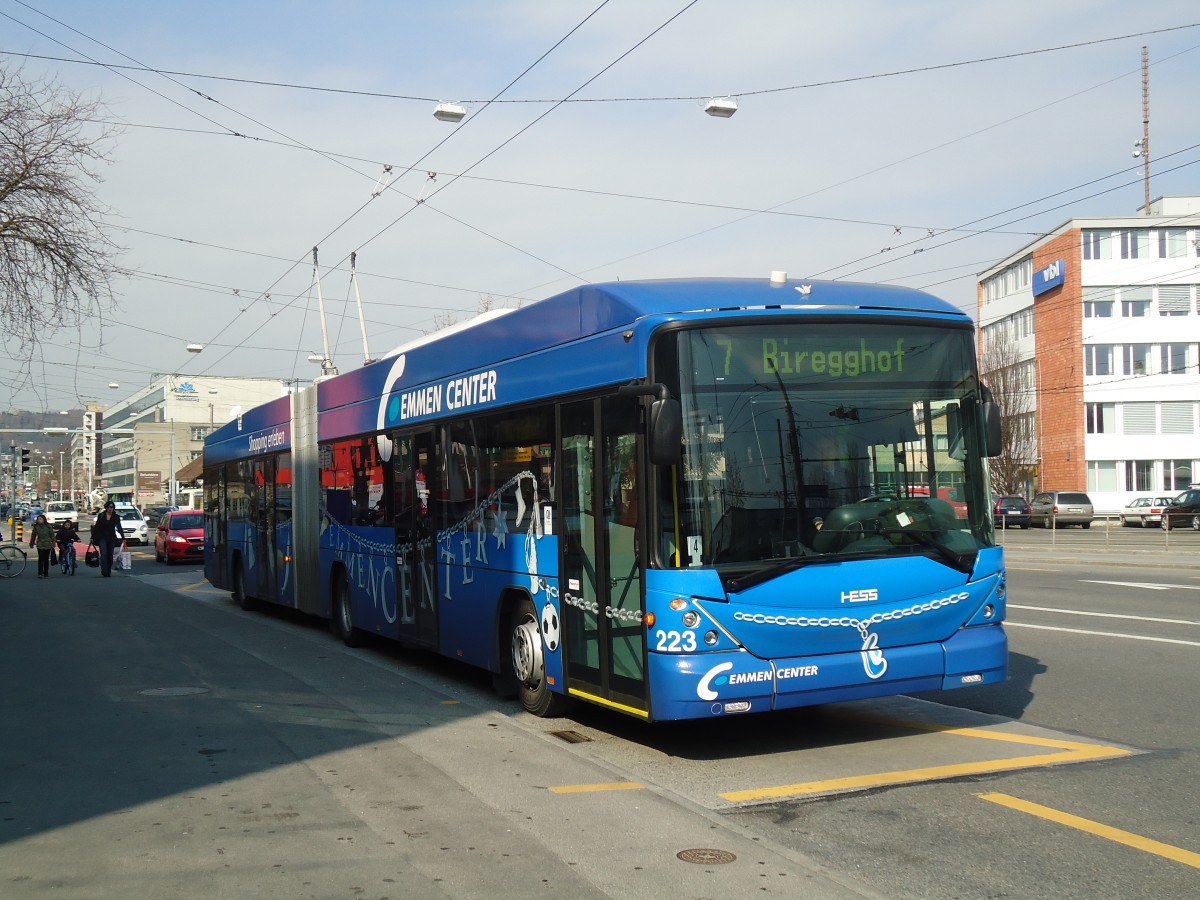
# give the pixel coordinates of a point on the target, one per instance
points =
(571, 737)
(706, 856)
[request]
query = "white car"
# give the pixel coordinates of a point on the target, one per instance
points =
(59, 511)
(132, 523)
(1144, 511)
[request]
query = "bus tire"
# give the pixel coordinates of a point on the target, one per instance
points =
(239, 594)
(527, 662)
(343, 614)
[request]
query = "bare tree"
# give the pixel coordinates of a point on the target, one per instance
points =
(444, 320)
(1011, 381)
(57, 262)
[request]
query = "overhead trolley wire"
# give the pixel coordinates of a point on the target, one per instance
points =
(914, 70)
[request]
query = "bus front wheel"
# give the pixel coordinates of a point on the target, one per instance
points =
(528, 661)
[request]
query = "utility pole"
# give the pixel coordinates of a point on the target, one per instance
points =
(1143, 146)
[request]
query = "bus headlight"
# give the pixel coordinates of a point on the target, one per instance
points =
(989, 611)
(691, 618)
(711, 638)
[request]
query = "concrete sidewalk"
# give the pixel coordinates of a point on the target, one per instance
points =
(163, 743)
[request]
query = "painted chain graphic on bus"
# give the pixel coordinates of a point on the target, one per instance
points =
(364, 556)
(874, 662)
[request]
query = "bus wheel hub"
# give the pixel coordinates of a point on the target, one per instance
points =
(527, 652)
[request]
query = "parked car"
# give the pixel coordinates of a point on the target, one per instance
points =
(1183, 511)
(1055, 509)
(179, 537)
(132, 523)
(1144, 511)
(1010, 511)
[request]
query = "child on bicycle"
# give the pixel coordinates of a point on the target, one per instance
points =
(66, 538)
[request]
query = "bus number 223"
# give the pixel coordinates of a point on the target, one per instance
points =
(674, 642)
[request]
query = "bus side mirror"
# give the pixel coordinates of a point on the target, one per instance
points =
(664, 421)
(664, 431)
(991, 428)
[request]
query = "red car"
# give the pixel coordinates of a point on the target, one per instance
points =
(180, 537)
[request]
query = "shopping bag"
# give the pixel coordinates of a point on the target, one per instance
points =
(125, 558)
(53, 557)
(91, 556)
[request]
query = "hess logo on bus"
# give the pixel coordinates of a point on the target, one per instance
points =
(860, 595)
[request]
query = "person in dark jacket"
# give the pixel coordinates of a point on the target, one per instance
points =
(42, 538)
(107, 536)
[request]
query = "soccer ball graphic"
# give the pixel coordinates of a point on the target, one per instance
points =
(550, 627)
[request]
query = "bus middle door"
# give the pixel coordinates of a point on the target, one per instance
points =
(266, 587)
(416, 539)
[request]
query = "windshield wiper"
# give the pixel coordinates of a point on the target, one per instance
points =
(774, 570)
(950, 557)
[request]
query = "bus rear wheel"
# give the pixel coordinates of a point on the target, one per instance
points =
(243, 599)
(343, 615)
(528, 662)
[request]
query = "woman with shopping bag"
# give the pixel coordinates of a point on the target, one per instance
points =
(107, 536)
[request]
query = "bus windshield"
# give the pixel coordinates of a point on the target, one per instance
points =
(812, 442)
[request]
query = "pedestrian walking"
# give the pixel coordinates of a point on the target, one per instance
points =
(42, 537)
(107, 536)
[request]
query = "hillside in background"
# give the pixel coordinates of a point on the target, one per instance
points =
(37, 421)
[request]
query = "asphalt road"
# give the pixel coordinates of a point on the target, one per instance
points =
(164, 743)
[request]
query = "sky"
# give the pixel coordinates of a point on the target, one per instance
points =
(912, 143)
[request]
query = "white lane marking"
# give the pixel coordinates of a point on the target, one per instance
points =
(1080, 612)
(1146, 585)
(1128, 637)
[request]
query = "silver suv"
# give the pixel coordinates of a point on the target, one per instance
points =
(1054, 509)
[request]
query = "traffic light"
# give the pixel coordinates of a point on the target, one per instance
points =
(23, 461)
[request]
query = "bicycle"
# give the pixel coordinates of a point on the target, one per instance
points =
(12, 560)
(66, 558)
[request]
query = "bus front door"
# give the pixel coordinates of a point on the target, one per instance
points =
(601, 574)
(416, 540)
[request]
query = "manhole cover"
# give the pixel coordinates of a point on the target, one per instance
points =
(173, 691)
(706, 856)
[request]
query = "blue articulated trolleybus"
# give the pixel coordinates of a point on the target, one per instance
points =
(677, 499)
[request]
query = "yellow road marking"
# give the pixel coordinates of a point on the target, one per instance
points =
(1068, 751)
(192, 587)
(587, 788)
(1128, 838)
